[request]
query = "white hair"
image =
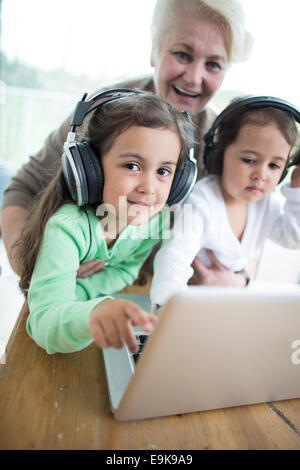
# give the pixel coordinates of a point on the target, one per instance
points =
(229, 14)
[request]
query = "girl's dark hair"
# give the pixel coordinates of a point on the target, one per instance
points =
(144, 110)
(232, 124)
(102, 127)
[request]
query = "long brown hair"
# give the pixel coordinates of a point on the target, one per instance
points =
(105, 124)
(45, 204)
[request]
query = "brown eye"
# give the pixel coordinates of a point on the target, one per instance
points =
(131, 166)
(163, 171)
(274, 166)
(249, 161)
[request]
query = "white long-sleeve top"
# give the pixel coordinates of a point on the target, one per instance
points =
(202, 223)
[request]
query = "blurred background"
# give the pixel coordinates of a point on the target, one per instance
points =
(52, 51)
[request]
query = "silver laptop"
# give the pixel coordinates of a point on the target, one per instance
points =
(211, 348)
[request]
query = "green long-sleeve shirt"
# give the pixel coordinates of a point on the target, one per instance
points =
(60, 304)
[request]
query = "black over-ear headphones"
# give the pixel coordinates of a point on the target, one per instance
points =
(82, 168)
(213, 158)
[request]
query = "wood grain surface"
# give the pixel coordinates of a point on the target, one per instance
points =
(60, 402)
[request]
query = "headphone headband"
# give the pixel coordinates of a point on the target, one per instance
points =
(82, 168)
(252, 102)
(84, 107)
(249, 102)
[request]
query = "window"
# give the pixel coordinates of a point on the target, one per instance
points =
(54, 51)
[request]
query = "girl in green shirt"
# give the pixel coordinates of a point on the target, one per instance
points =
(138, 141)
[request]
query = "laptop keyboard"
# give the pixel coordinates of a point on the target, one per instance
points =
(141, 341)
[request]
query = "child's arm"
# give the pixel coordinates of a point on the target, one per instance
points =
(286, 229)
(123, 272)
(60, 305)
(172, 263)
(111, 322)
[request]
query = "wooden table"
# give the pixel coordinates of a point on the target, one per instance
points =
(60, 402)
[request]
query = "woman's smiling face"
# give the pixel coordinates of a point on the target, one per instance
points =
(190, 63)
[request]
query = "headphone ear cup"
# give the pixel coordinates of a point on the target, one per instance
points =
(93, 173)
(74, 175)
(69, 176)
(285, 172)
(213, 160)
(207, 150)
(183, 182)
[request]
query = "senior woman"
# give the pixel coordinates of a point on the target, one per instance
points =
(193, 44)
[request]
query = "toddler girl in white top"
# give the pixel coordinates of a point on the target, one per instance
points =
(233, 210)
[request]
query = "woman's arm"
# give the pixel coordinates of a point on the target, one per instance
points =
(216, 274)
(13, 219)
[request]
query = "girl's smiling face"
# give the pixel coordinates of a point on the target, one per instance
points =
(138, 173)
(253, 163)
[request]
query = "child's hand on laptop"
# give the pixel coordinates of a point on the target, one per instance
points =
(112, 320)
